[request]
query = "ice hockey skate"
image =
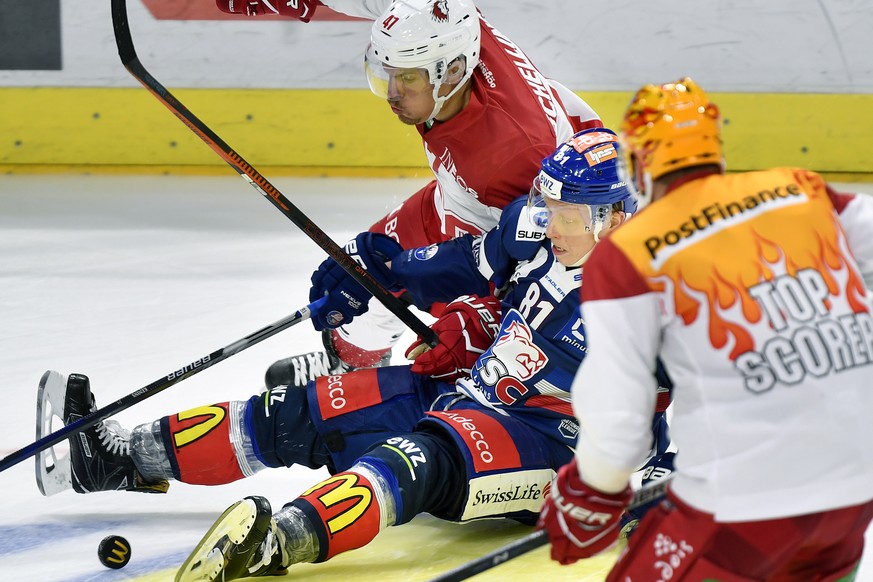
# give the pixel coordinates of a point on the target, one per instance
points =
(98, 458)
(242, 543)
(301, 369)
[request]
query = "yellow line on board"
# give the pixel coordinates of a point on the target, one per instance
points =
(219, 170)
(352, 133)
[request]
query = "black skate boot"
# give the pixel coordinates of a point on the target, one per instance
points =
(100, 456)
(299, 370)
(244, 542)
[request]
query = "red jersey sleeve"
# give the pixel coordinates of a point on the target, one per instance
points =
(609, 274)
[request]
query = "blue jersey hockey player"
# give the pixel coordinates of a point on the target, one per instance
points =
(401, 440)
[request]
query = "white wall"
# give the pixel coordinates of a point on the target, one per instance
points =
(806, 46)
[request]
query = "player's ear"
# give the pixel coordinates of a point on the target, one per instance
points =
(618, 216)
(456, 70)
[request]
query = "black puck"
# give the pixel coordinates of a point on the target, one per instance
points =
(114, 552)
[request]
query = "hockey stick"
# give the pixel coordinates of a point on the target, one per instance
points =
(159, 385)
(534, 541)
(131, 62)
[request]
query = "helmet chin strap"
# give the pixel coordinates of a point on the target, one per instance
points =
(646, 198)
(438, 101)
(437, 106)
(584, 258)
(598, 228)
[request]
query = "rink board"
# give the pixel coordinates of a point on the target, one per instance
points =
(126, 129)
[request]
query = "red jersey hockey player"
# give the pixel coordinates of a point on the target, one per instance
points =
(487, 117)
(751, 289)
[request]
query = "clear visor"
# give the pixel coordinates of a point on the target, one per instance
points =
(385, 80)
(545, 209)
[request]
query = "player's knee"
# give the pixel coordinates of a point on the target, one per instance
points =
(281, 429)
(423, 473)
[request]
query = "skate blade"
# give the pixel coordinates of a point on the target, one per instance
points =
(53, 468)
(206, 563)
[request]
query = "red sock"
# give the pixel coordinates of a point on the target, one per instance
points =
(199, 443)
(344, 511)
(355, 356)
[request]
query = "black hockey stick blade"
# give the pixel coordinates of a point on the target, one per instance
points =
(158, 386)
(533, 541)
(131, 62)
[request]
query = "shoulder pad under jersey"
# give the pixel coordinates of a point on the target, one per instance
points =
(520, 236)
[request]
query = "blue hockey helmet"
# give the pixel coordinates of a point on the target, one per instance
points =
(590, 170)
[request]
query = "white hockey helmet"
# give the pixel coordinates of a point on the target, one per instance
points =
(427, 35)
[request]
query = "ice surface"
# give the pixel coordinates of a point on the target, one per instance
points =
(127, 278)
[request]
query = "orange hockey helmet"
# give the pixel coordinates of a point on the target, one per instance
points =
(669, 127)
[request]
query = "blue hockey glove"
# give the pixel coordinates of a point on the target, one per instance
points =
(346, 298)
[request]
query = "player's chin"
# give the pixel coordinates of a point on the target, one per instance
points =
(408, 120)
(406, 117)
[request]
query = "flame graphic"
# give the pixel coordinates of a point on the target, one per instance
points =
(775, 243)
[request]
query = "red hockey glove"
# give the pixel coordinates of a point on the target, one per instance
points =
(299, 9)
(466, 329)
(580, 520)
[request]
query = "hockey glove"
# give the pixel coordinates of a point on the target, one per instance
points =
(580, 520)
(466, 329)
(299, 9)
(346, 298)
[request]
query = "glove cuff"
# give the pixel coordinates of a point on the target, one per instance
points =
(385, 248)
